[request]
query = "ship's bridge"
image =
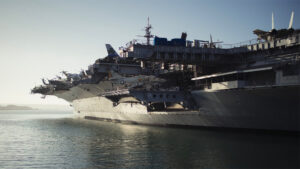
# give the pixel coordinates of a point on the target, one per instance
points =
(204, 52)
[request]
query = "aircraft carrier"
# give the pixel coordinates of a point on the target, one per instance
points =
(249, 85)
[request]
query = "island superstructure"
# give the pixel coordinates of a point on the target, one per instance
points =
(253, 85)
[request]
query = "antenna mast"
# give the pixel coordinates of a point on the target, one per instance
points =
(148, 32)
(273, 27)
(291, 20)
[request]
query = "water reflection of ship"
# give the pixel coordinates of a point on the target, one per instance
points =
(135, 146)
(191, 83)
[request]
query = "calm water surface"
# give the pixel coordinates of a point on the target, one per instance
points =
(35, 139)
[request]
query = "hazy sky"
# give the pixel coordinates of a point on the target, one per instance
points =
(40, 38)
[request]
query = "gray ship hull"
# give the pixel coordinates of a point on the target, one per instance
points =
(272, 108)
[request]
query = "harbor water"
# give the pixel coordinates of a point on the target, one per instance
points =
(55, 139)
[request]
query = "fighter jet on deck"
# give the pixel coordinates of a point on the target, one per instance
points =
(273, 33)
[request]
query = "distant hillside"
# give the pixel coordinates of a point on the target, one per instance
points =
(15, 107)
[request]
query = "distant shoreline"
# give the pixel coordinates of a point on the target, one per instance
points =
(15, 107)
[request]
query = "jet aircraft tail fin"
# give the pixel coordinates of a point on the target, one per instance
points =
(110, 51)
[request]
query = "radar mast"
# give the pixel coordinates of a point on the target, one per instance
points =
(148, 35)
